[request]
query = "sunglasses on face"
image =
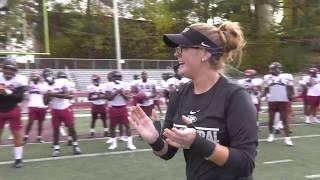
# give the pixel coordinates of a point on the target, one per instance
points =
(179, 49)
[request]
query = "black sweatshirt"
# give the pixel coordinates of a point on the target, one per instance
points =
(225, 115)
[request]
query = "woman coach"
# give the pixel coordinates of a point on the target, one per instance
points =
(212, 119)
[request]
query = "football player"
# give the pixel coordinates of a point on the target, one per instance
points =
(118, 96)
(12, 89)
(146, 92)
(176, 80)
(279, 86)
(36, 106)
(164, 87)
(312, 84)
(60, 95)
(98, 108)
(253, 86)
(49, 77)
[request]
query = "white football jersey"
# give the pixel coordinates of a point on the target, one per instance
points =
(164, 84)
(302, 82)
(97, 89)
(312, 84)
(278, 86)
(134, 82)
(250, 85)
(158, 92)
(147, 88)
(174, 82)
(118, 100)
(36, 92)
(58, 87)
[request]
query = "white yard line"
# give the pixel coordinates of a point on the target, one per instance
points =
(312, 176)
(278, 161)
(126, 152)
(48, 116)
(79, 156)
(50, 142)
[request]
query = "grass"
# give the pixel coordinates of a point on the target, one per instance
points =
(144, 165)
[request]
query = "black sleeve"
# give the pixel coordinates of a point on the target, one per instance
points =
(168, 123)
(17, 95)
(157, 125)
(171, 110)
(242, 129)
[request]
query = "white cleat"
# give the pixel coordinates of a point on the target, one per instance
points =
(113, 144)
(307, 121)
(270, 138)
(288, 141)
(109, 141)
(131, 147)
(130, 143)
(56, 153)
(316, 121)
(76, 150)
(112, 147)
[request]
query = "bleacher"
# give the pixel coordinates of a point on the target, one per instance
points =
(82, 77)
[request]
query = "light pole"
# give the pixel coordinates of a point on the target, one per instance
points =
(117, 34)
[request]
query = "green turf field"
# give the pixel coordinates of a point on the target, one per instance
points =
(274, 162)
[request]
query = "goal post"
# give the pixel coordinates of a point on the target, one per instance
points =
(17, 33)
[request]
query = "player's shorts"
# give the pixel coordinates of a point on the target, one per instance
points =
(166, 94)
(99, 108)
(13, 117)
(313, 101)
(36, 113)
(156, 102)
(148, 109)
(118, 115)
(258, 107)
(304, 98)
(278, 107)
(62, 115)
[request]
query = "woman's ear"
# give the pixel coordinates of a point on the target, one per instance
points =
(206, 57)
